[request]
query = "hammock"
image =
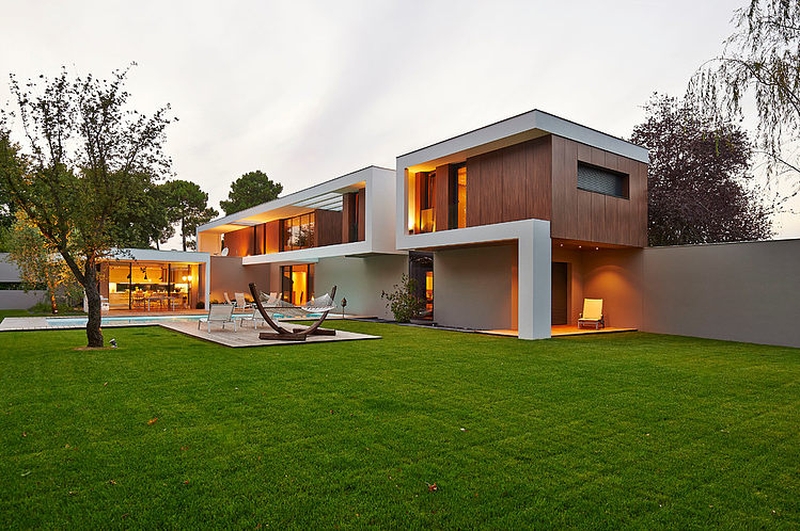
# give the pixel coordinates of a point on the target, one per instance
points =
(279, 308)
(320, 306)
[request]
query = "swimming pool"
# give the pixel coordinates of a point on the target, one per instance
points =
(120, 320)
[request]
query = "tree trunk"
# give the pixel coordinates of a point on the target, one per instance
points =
(51, 292)
(93, 333)
(183, 234)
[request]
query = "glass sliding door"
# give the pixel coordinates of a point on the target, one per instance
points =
(297, 283)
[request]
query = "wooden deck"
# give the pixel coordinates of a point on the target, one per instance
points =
(247, 336)
(562, 330)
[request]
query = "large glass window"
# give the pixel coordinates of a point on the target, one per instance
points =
(151, 285)
(298, 232)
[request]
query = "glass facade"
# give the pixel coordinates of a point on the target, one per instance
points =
(298, 232)
(152, 285)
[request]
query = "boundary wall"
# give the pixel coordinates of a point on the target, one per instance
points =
(746, 292)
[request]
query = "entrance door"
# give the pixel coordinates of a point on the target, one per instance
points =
(558, 290)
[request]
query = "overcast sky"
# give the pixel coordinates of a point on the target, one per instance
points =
(307, 91)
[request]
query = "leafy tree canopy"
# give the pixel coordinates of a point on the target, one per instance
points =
(697, 183)
(759, 70)
(85, 161)
(249, 190)
(37, 265)
(187, 206)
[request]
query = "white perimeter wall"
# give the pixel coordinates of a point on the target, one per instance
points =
(360, 281)
(742, 292)
(16, 299)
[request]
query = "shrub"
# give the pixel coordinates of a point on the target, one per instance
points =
(403, 301)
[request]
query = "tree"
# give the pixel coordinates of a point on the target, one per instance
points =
(759, 68)
(697, 178)
(186, 206)
(147, 223)
(85, 159)
(249, 190)
(38, 266)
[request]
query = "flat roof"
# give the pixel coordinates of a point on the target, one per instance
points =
(528, 125)
(316, 196)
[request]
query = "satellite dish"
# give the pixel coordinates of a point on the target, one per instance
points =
(224, 252)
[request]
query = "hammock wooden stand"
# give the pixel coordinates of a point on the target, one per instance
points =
(294, 334)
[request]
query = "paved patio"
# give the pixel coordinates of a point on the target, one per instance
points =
(248, 336)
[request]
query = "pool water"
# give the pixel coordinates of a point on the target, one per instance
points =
(132, 319)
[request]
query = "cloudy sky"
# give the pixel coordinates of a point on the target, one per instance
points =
(310, 90)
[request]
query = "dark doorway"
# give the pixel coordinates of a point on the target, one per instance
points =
(420, 269)
(559, 293)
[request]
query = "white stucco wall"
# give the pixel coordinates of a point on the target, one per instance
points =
(361, 281)
(742, 291)
(476, 287)
(16, 299)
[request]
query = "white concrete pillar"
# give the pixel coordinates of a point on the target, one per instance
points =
(534, 269)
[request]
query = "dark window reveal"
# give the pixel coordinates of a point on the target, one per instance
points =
(602, 181)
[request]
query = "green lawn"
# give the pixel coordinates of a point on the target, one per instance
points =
(423, 429)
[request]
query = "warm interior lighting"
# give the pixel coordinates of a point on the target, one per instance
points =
(426, 220)
(461, 178)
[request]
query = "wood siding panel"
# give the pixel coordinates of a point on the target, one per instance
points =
(593, 217)
(348, 205)
(474, 187)
(273, 230)
(362, 214)
(639, 198)
(493, 194)
(486, 192)
(240, 242)
(442, 204)
(538, 179)
(540, 167)
(516, 183)
(566, 221)
(328, 230)
(584, 217)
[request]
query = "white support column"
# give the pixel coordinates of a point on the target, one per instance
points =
(534, 270)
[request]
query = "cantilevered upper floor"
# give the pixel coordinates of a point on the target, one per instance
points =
(352, 215)
(590, 186)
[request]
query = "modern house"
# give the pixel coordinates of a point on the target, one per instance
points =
(504, 228)
(507, 228)
(340, 232)
(523, 219)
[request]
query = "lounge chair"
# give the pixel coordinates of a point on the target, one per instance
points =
(241, 304)
(218, 313)
(321, 306)
(256, 316)
(592, 313)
